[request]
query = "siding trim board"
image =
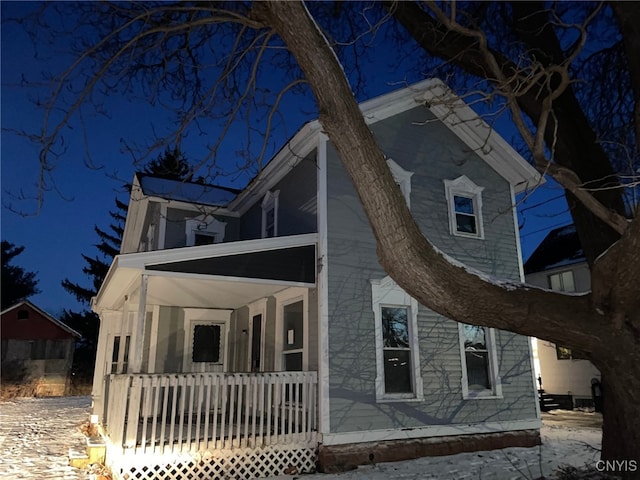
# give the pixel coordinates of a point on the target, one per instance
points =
(429, 431)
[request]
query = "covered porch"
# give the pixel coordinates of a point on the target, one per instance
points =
(209, 349)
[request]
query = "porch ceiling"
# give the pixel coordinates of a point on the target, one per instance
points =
(227, 275)
(200, 293)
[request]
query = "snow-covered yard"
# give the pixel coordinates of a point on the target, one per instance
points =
(35, 436)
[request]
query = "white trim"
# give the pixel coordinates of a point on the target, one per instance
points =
(516, 232)
(194, 207)
(386, 293)
(259, 307)
(430, 431)
(494, 374)
(206, 316)
(402, 178)
(200, 276)
(162, 230)
(201, 224)
(463, 187)
(324, 411)
(153, 343)
(287, 158)
(270, 202)
(140, 260)
(284, 298)
(441, 101)
(135, 357)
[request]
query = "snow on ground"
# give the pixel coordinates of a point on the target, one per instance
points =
(36, 434)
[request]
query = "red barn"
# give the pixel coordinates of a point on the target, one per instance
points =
(36, 349)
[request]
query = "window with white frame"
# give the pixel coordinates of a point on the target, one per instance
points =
(402, 178)
(204, 230)
(270, 214)
(479, 362)
(292, 329)
(397, 358)
(562, 281)
(464, 201)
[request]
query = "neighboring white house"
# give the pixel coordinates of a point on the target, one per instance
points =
(254, 333)
(559, 263)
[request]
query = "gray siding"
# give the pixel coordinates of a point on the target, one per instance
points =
(238, 340)
(433, 153)
(296, 204)
(176, 236)
(170, 346)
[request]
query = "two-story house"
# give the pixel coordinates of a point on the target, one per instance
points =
(566, 376)
(253, 333)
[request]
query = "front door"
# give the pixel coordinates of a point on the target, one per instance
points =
(205, 340)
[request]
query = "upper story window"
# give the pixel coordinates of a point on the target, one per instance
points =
(464, 199)
(23, 314)
(562, 281)
(479, 362)
(270, 214)
(204, 230)
(397, 358)
(402, 178)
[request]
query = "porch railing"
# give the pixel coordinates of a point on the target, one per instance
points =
(170, 413)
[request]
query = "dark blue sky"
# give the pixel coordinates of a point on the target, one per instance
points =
(62, 230)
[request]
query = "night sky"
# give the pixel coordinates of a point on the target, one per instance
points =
(57, 235)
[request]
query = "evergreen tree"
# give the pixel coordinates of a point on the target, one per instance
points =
(17, 284)
(171, 164)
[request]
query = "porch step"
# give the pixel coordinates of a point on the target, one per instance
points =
(93, 452)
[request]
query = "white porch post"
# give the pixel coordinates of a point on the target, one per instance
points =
(136, 358)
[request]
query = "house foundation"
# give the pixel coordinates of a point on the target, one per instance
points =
(339, 458)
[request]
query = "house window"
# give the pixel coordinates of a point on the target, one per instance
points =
(566, 353)
(204, 230)
(257, 317)
(293, 336)
(396, 350)
(38, 350)
(270, 214)
(206, 343)
(57, 349)
(23, 314)
(292, 321)
(402, 178)
(562, 281)
(464, 200)
(479, 362)
(397, 360)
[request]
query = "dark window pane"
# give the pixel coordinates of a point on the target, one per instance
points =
(270, 222)
(395, 330)
(478, 370)
(293, 362)
(206, 343)
(293, 326)
(465, 223)
(397, 371)
(463, 204)
(256, 343)
(474, 337)
(23, 314)
(38, 349)
(201, 239)
(563, 353)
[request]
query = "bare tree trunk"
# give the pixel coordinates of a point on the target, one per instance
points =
(450, 290)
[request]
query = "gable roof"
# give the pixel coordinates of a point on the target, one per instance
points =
(560, 247)
(445, 105)
(44, 314)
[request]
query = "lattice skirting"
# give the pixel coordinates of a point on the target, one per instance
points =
(219, 465)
